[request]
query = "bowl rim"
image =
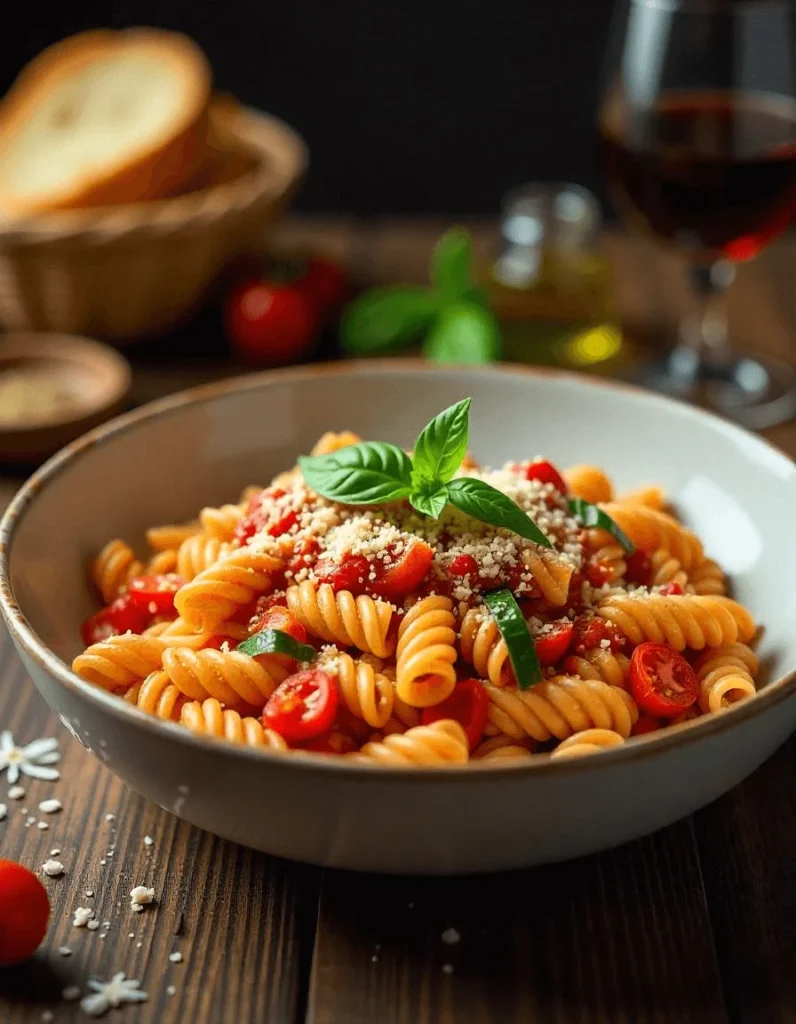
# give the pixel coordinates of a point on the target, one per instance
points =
(643, 746)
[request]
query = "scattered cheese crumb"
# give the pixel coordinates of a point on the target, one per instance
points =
(447, 968)
(102, 863)
(131, 935)
(30, 821)
(52, 868)
(138, 945)
(16, 792)
(89, 893)
(110, 817)
(93, 926)
(70, 993)
(171, 990)
(175, 958)
(450, 937)
(54, 853)
(148, 841)
(140, 896)
(3, 812)
(82, 916)
(50, 806)
(42, 826)
(374, 959)
(64, 950)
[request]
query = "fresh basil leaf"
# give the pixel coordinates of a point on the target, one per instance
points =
(386, 318)
(519, 642)
(451, 265)
(367, 473)
(485, 503)
(431, 502)
(464, 333)
(590, 515)
(274, 641)
(442, 444)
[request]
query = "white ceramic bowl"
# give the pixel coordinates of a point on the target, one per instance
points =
(163, 462)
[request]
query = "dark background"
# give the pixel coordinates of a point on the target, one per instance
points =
(408, 106)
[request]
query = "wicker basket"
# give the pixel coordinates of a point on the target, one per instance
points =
(128, 272)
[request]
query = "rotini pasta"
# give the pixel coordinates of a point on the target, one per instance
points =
(287, 620)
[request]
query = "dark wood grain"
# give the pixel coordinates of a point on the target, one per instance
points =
(694, 925)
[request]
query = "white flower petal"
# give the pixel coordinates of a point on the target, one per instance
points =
(53, 758)
(36, 771)
(13, 774)
(95, 1006)
(117, 978)
(38, 747)
(98, 986)
(132, 996)
(6, 741)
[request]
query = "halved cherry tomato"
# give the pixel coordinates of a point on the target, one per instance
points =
(283, 524)
(326, 285)
(468, 705)
(281, 618)
(155, 594)
(639, 568)
(590, 631)
(463, 566)
(301, 707)
(670, 590)
(646, 723)
(553, 645)
(121, 616)
(662, 682)
(405, 574)
(24, 913)
(546, 473)
(597, 573)
(304, 554)
(270, 322)
(351, 574)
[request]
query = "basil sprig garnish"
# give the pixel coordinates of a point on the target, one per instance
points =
(590, 515)
(373, 472)
(519, 642)
(274, 641)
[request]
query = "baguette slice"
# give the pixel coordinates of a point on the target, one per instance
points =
(103, 118)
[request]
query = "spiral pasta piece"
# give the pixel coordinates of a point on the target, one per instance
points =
(650, 530)
(162, 562)
(725, 676)
(650, 495)
(666, 569)
(426, 653)
(552, 574)
(681, 621)
(118, 662)
(113, 568)
(198, 553)
(164, 538)
(605, 549)
(333, 442)
(589, 482)
(439, 744)
(591, 741)
(707, 577)
(218, 591)
(600, 664)
(360, 622)
(366, 693)
(220, 522)
(208, 718)
(229, 676)
(500, 747)
(559, 707)
(482, 646)
(158, 696)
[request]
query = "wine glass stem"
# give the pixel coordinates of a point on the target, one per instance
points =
(704, 348)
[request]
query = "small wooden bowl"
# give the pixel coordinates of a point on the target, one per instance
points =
(54, 387)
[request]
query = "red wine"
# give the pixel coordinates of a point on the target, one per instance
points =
(713, 172)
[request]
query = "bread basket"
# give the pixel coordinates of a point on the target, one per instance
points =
(128, 272)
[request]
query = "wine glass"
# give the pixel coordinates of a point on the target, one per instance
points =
(698, 126)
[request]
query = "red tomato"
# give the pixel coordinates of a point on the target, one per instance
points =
(597, 573)
(662, 682)
(463, 566)
(546, 473)
(270, 323)
(646, 723)
(671, 589)
(551, 647)
(639, 569)
(468, 705)
(590, 630)
(350, 574)
(155, 594)
(122, 616)
(24, 912)
(304, 552)
(326, 284)
(301, 707)
(283, 524)
(279, 617)
(403, 576)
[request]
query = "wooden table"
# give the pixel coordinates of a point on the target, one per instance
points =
(694, 925)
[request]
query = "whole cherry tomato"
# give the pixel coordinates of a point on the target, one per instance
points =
(121, 616)
(662, 682)
(270, 323)
(24, 913)
(546, 473)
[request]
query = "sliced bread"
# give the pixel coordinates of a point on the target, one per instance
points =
(103, 118)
